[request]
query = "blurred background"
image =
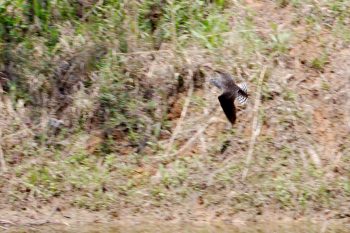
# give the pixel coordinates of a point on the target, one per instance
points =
(106, 112)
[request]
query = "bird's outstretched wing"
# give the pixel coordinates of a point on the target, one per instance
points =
(227, 104)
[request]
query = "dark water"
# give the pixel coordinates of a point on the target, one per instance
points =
(187, 228)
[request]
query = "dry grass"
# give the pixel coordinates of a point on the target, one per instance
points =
(104, 120)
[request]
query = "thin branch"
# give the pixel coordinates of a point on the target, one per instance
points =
(199, 132)
(303, 158)
(7, 222)
(186, 131)
(182, 116)
(169, 51)
(145, 52)
(336, 161)
(347, 112)
(20, 132)
(226, 163)
(173, 23)
(99, 3)
(3, 167)
(315, 157)
(205, 114)
(256, 125)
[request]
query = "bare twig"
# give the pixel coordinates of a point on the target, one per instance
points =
(3, 167)
(16, 116)
(173, 23)
(145, 52)
(194, 137)
(314, 157)
(182, 116)
(7, 222)
(256, 125)
(336, 161)
(226, 163)
(347, 112)
(324, 226)
(186, 131)
(21, 132)
(199, 132)
(202, 138)
(162, 51)
(203, 144)
(99, 3)
(303, 158)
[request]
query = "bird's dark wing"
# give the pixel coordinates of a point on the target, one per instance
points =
(227, 104)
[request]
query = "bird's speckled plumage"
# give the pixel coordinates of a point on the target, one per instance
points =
(231, 91)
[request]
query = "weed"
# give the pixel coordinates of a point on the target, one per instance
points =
(282, 3)
(283, 194)
(279, 40)
(289, 95)
(319, 62)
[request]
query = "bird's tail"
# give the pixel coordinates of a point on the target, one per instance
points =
(242, 93)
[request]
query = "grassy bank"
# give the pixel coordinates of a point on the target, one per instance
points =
(104, 107)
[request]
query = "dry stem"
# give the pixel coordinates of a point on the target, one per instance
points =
(199, 132)
(182, 116)
(256, 125)
(3, 167)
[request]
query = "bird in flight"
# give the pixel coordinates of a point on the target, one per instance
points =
(230, 92)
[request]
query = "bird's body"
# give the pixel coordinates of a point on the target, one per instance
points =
(231, 91)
